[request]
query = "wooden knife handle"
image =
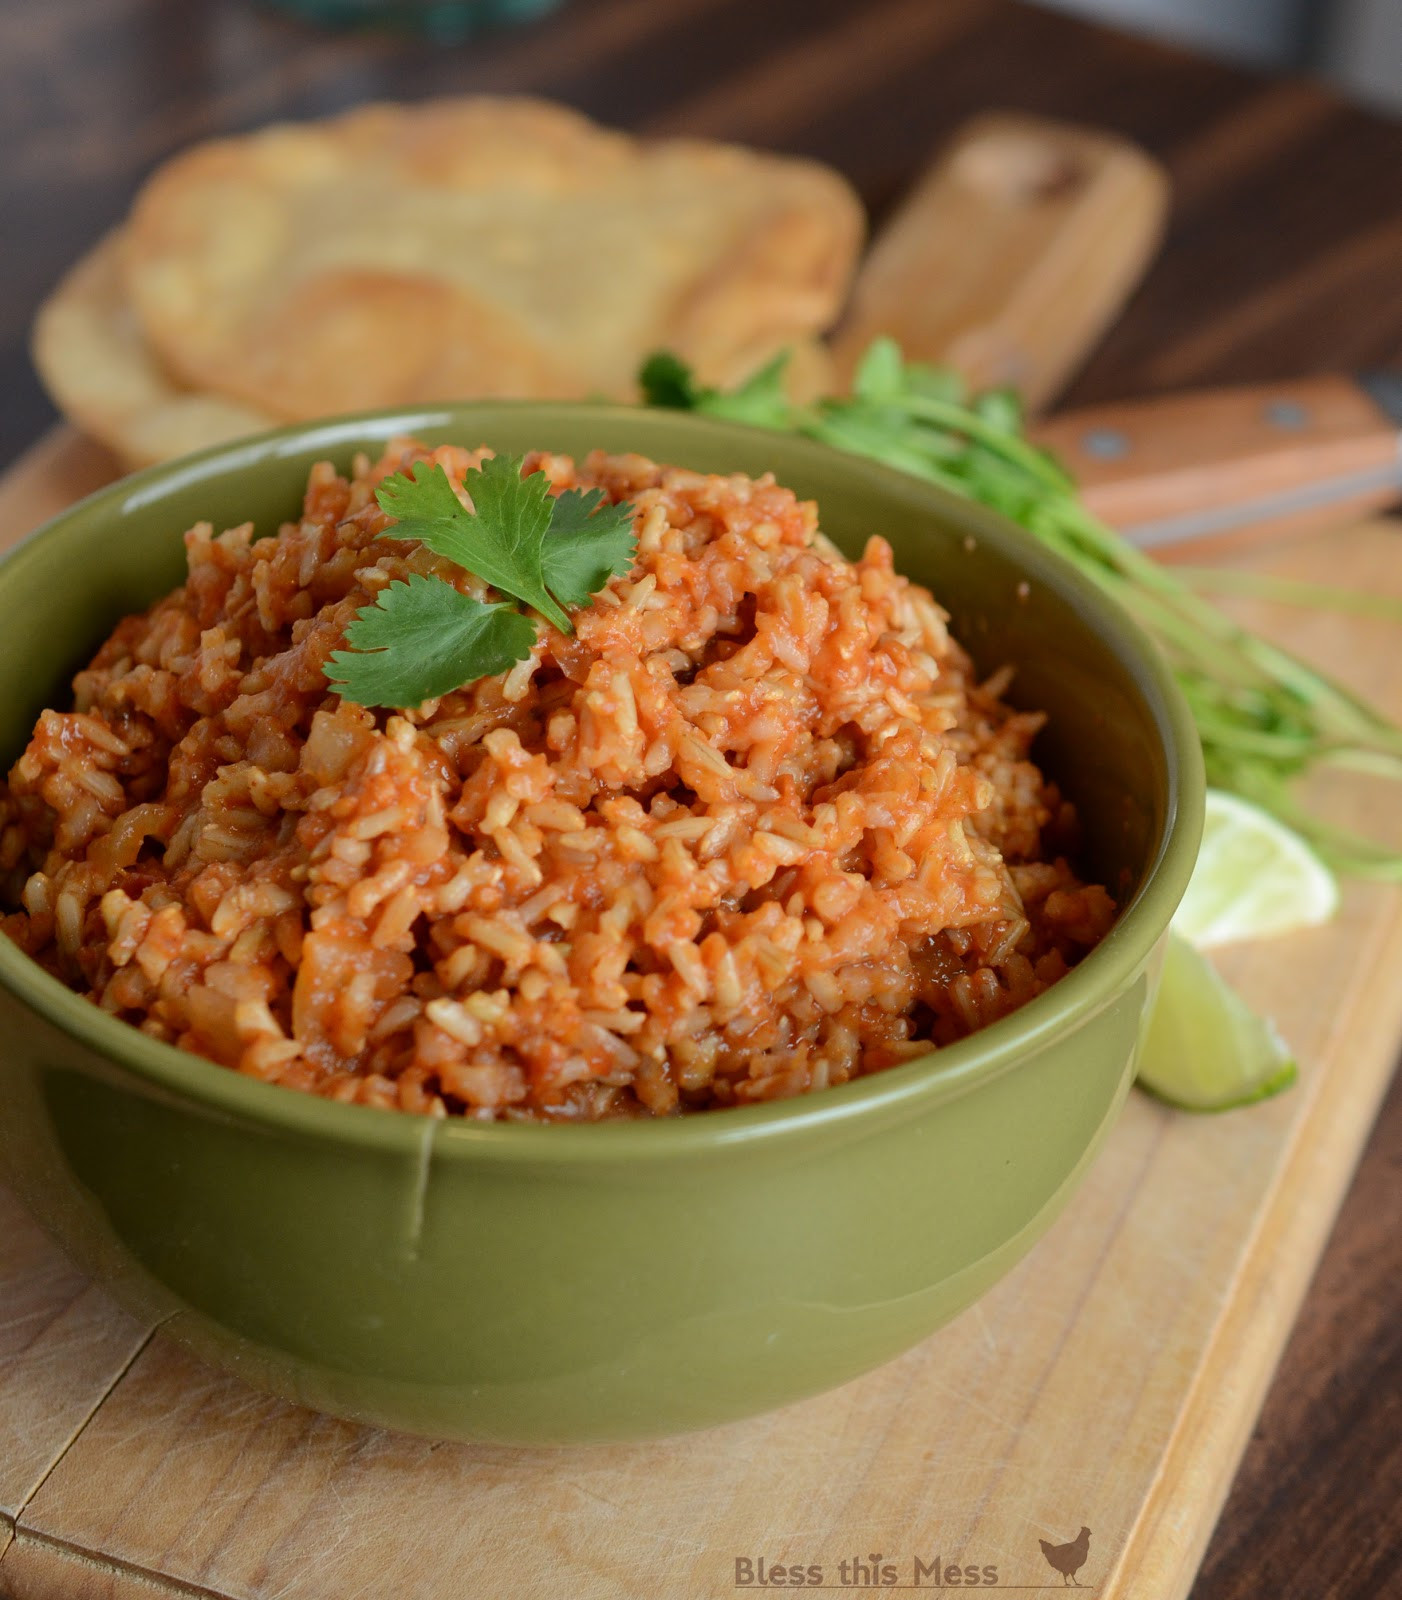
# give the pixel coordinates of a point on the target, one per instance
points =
(1183, 473)
(1012, 254)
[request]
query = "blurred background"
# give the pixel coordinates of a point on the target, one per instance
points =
(1356, 43)
(1276, 121)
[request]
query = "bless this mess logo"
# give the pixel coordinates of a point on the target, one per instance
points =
(917, 1572)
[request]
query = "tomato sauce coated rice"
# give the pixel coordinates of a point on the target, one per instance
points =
(755, 829)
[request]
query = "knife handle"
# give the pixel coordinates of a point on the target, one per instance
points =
(1182, 474)
(1012, 254)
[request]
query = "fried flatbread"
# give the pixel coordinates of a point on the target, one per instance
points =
(99, 370)
(95, 362)
(476, 247)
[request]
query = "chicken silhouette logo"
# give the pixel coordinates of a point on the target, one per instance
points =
(1068, 1559)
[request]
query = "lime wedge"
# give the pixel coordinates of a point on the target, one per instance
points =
(1254, 878)
(1205, 1049)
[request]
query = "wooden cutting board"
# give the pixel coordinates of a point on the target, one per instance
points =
(1110, 1382)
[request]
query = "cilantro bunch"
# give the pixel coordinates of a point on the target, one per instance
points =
(422, 638)
(1265, 717)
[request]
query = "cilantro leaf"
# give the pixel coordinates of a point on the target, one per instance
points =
(549, 551)
(422, 639)
(586, 545)
(666, 380)
(761, 399)
(881, 372)
(499, 541)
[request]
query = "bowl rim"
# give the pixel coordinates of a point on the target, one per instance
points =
(859, 1105)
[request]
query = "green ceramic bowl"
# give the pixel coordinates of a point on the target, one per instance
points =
(537, 1283)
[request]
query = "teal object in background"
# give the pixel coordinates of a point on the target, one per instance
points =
(446, 20)
(530, 1283)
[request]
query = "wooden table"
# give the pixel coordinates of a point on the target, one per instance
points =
(1285, 256)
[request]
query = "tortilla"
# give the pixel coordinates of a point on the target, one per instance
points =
(476, 247)
(95, 362)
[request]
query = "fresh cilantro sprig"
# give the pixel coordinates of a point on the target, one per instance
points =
(422, 638)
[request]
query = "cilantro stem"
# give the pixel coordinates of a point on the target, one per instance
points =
(1291, 592)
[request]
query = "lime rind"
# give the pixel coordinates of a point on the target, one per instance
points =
(1281, 1080)
(1204, 1049)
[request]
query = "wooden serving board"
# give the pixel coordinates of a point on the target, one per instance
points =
(1111, 1381)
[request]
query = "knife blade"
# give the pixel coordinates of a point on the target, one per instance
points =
(1181, 474)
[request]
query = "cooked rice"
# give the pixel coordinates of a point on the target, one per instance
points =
(755, 829)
